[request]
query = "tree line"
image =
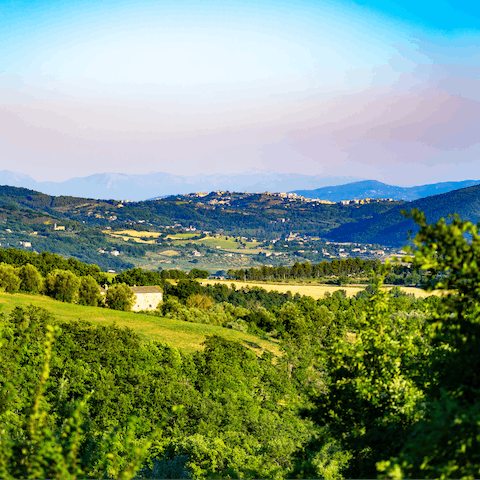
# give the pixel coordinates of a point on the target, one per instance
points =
(336, 271)
(335, 267)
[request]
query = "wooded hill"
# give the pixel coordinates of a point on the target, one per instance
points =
(391, 227)
(263, 215)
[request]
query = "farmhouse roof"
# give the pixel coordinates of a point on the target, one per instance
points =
(152, 289)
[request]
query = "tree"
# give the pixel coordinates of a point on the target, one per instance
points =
(203, 302)
(446, 443)
(9, 279)
(30, 279)
(373, 390)
(62, 285)
(120, 297)
(197, 273)
(89, 292)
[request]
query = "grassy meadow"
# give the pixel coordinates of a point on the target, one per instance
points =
(183, 335)
(222, 241)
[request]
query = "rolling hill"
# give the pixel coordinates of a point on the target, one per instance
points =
(391, 227)
(29, 216)
(267, 215)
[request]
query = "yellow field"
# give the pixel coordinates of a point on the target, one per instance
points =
(184, 335)
(169, 253)
(181, 236)
(314, 291)
(226, 243)
(133, 235)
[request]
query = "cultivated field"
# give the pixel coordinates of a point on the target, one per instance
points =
(224, 242)
(184, 335)
(314, 291)
(133, 235)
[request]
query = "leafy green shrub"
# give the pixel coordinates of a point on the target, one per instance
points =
(89, 292)
(9, 280)
(120, 297)
(446, 443)
(374, 395)
(62, 285)
(34, 441)
(31, 280)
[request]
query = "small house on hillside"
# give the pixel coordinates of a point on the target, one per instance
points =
(147, 298)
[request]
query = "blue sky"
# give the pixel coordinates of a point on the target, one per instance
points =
(377, 89)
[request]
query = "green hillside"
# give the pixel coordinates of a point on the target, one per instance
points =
(390, 228)
(235, 213)
(184, 335)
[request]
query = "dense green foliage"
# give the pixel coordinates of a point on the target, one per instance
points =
(139, 277)
(234, 416)
(446, 443)
(45, 262)
(350, 266)
(336, 271)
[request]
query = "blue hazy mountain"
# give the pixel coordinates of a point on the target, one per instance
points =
(374, 189)
(121, 186)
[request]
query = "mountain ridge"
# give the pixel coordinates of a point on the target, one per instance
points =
(391, 227)
(376, 189)
(139, 187)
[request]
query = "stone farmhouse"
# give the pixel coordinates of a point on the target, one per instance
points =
(147, 298)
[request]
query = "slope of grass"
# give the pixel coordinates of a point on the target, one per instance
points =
(184, 335)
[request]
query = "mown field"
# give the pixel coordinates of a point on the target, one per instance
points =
(314, 291)
(224, 242)
(184, 335)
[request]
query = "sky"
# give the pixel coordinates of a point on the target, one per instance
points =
(378, 90)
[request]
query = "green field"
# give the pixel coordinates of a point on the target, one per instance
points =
(224, 242)
(184, 335)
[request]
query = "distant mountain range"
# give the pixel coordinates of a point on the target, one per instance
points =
(374, 189)
(120, 186)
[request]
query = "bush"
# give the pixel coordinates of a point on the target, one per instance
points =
(62, 285)
(120, 297)
(9, 279)
(89, 292)
(30, 279)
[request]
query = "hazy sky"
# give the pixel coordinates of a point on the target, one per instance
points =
(381, 90)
